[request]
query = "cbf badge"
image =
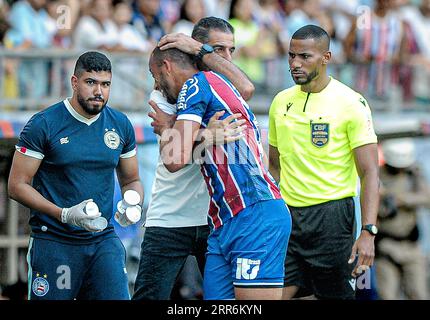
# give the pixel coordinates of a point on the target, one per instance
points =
(112, 139)
(40, 286)
(319, 134)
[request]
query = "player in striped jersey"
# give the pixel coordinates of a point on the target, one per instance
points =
(250, 223)
(174, 230)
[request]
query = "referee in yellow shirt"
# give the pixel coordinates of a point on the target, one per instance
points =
(321, 140)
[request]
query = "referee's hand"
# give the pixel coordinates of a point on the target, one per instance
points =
(364, 250)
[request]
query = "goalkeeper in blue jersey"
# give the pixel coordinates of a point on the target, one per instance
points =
(63, 170)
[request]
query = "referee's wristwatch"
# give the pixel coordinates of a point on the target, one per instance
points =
(205, 49)
(371, 228)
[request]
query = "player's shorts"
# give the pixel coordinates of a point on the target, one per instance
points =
(320, 246)
(248, 251)
(60, 271)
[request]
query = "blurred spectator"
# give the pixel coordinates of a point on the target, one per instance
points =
(97, 30)
(418, 47)
(63, 15)
(217, 8)
(129, 38)
(288, 6)
(85, 7)
(270, 20)
(10, 80)
(169, 13)
(29, 20)
(4, 25)
(274, 42)
(343, 14)
(338, 57)
(147, 20)
(373, 44)
(127, 71)
(301, 13)
(190, 13)
(248, 40)
(400, 262)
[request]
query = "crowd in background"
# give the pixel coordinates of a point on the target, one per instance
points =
(379, 46)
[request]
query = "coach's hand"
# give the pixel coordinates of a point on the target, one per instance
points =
(223, 131)
(180, 41)
(364, 249)
(162, 120)
(76, 216)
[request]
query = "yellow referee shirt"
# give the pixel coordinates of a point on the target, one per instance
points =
(315, 134)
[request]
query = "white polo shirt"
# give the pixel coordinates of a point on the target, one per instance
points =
(179, 199)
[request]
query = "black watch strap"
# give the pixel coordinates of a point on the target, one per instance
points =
(371, 228)
(205, 49)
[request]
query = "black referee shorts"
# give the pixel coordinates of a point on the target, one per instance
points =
(320, 245)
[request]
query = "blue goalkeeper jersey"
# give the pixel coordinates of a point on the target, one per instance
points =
(79, 157)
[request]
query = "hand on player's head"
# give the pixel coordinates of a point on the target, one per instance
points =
(180, 41)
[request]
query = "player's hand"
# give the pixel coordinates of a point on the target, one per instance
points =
(76, 216)
(223, 131)
(364, 250)
(180, 41)
(162, 120)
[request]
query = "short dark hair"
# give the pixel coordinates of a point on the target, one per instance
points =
(92, 61)
(311, 31)
(179, 57)
(202, 28)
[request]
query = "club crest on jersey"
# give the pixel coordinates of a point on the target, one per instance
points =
(319, 134)
(112, 139)
(40, 285)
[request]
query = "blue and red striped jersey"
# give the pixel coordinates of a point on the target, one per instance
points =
(234, 173)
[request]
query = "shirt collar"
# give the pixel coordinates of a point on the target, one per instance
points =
(77, 116)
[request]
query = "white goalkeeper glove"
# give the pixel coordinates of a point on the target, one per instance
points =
(76, 216)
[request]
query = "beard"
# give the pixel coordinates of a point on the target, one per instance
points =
(88, 107)
(311, 76)
(164, 87)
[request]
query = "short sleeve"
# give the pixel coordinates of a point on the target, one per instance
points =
(129, 149)
(273, 141)
(193, 99)
(360, 125)
(34, 137)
